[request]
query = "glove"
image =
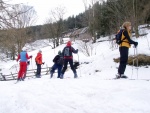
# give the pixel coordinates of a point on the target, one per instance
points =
(43, 63)
(31, 56)
(136, 44)
(28, 62)
(77, 50)
(17, 60)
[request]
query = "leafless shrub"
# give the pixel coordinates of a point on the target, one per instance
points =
(86, 48)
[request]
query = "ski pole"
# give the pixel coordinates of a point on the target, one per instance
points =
(43, 64)
(134, 59)
(31, 63)
(137, 61)
(79, 64)
(16, 68)
(133, 63)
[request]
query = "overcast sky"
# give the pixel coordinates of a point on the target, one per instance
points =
(43, 7)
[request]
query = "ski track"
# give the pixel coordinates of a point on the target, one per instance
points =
(76, 96)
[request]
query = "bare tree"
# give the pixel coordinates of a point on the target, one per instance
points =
(15, 20)
(20, 24)
(135, 11)
(55, 24)
(86, 48)
(49, 29)
(92, 16)
(7, 13)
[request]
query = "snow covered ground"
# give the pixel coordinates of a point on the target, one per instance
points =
(93, 92)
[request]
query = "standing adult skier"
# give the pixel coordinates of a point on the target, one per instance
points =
(124, 48)
(23, 57)
(39, 62)
(67, 54)
(58, 63)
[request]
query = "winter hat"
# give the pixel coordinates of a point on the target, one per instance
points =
(69, 43)
(59, 52)
(40, 51)
(24, 49)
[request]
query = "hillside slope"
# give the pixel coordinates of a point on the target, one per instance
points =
(93, 92)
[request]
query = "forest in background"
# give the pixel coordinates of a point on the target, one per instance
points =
(102, 17)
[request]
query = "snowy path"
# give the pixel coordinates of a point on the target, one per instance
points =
(84, 95)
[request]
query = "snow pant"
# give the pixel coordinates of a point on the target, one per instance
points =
(54, 67)
(71, 65)
(38, 72)
(25, 73)
(22, 71)
(123, 59)
(28, 63)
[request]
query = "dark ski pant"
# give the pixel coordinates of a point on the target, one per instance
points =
(71, 65)
(38, 72)
(54, 67)
(123, 59)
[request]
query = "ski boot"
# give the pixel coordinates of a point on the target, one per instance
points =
(61, 76)
(75, 75)
(51, 74)
(118, 76)
(123, 76)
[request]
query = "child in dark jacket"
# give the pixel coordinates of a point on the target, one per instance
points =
(58, 63)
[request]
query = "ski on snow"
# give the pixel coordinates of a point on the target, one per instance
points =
(16, 82)
(126, 79)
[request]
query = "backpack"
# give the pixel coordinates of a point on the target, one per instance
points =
(67, 51)
(118, 37)
(60, 61)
